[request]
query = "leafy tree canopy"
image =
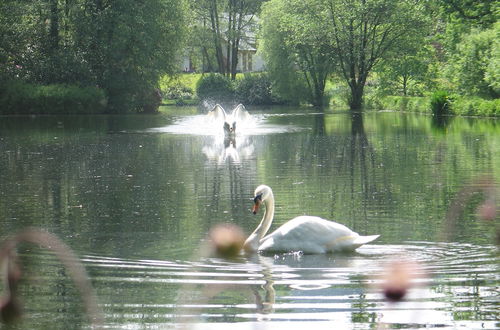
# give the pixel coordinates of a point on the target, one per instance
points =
(296, 42)
(121, 46)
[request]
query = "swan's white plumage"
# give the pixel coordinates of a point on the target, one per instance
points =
(229, 120)
(217, 113)
(308, 234)
(240, 113)
(311, 234)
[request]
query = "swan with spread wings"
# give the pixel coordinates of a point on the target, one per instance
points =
(239, 114)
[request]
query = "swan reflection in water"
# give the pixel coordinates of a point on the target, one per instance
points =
(229, 149)
(249, 280)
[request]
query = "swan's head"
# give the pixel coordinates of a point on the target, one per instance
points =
(229, 129)
(261, 193)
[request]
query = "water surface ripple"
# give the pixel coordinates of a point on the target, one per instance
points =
(340, 289)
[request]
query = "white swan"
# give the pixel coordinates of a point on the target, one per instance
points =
(239, 114)
(304, 233)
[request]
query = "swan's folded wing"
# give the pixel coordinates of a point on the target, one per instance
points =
(307, 234)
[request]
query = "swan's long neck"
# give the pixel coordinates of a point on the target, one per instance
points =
(253, 241)
(267, 219)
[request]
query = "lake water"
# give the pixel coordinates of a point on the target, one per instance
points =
(135, 196)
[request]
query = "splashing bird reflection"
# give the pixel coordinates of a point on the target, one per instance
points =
(229, 149)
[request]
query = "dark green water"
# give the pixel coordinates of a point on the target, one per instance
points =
(135, 196)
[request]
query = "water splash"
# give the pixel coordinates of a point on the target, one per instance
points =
(207, 125)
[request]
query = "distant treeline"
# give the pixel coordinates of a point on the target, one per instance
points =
(88, 56)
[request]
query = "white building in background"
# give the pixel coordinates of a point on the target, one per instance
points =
(248, 59)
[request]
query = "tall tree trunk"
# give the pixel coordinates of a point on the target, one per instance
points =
(319, 89)
(229, 38)
(234, 58)
(207, 63)
(214, 20)
(54, 26)
(356, 98)
(405, 85)
(236, 44)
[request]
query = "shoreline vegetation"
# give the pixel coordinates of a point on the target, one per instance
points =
(19, 98)
(459, 105)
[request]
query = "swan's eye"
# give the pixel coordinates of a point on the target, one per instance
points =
(258, 198)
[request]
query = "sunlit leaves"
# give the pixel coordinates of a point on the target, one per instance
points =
(122, 46)
(295, 39)
(474, 68)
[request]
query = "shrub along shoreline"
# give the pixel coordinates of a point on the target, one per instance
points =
(21, 98)
(257, 89)
(457, 105)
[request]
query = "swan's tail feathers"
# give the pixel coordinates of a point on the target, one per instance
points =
(360, 240)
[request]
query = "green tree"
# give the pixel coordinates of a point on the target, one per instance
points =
(199, 43)
(492, 72)
(285, 77)
(471, 12)
(129, 45)
(468, 44)
(122, 46)
(474, 67)
(408, 74)
(365, 32)
(295, 43)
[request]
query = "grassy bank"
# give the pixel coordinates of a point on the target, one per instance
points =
(459, 105)
(180, 89)
(400, 103)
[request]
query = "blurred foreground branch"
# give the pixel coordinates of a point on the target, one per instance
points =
(10, 307)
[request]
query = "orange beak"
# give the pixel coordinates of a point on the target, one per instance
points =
(256, 206)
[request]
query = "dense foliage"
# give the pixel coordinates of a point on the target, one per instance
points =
(383, 47)
(295, 38)
(256, 89)
(348, 38)
(249, 89)
(475, 64)
(22, 98)
(440, 103)
(120, 46)
(215, 87)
